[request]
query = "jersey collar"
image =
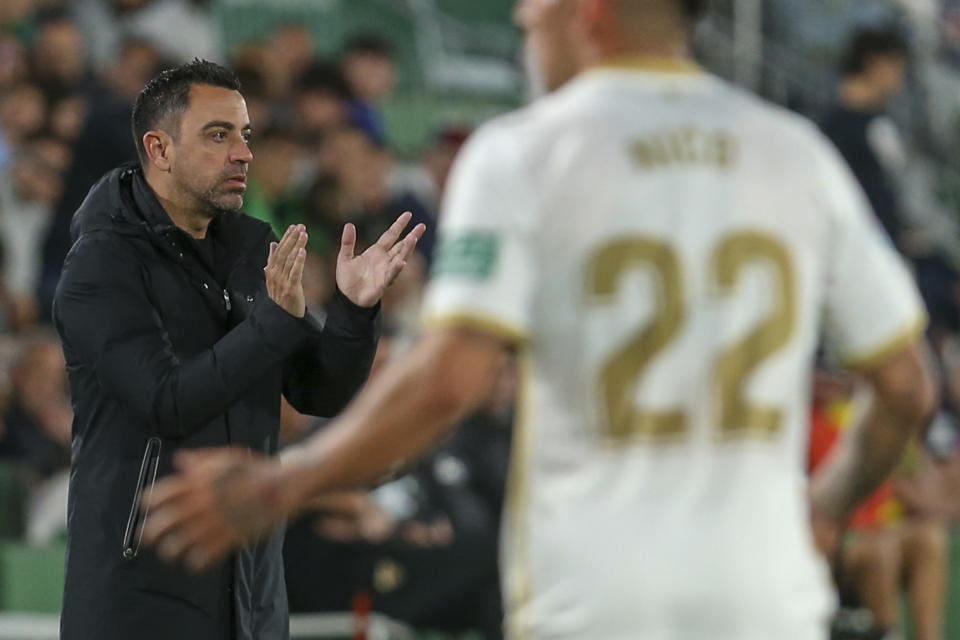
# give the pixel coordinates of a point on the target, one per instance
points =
(649, 64)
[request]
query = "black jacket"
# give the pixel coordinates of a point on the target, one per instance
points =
(161, 357)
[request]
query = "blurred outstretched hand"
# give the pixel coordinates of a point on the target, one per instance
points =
(219, 500)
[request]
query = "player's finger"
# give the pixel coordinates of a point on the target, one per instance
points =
(348, 242)
(172, 515)
(197, 462)
(209, 550)
(389, 237)
(178, 540)
(166, 492)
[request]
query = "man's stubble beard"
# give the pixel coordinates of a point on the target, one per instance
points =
(206, 201)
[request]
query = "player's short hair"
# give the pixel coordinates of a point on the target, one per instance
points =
(165, 98)
(869, 43)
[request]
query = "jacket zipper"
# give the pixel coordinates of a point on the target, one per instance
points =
(145, 481)
(226, 300)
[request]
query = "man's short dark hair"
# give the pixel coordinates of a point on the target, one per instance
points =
(368, 43)
(165, 98)
(867, 44)
(323, 77)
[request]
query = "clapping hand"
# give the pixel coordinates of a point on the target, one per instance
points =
(364, 278)
(284, 270)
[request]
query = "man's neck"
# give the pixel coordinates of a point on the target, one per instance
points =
(182, 215)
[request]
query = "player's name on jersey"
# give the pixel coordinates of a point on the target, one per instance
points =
(685, 146)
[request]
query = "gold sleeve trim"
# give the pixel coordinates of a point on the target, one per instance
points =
(479, 322)
(900, 340)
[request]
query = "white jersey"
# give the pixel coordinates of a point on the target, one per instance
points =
(666, 249)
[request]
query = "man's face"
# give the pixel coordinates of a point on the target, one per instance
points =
(61, 51)
(887, 74)
(210, 159)
(372, 76)
(549, 46)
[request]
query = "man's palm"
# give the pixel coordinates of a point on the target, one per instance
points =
(364, 278)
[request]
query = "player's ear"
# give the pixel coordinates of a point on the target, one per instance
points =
(159, 149)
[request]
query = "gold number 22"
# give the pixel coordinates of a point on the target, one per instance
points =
(619, 376)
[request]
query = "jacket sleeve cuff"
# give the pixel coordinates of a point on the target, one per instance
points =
(343, 316)
(281, 330)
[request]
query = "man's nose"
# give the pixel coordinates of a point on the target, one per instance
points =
(241, 153)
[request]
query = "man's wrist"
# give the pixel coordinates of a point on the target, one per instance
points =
(352, 306)
(296, 473)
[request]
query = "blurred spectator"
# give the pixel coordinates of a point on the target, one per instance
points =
(270, 195)
(280, 60)
(59, 60)
(38, 419)
(321, 100)
(67, 116)
(425, 544)
(350, 187)
(23, 112)
(180, 29)
(368, 65)
(13, 12)
(103, 143)
(254, 88)
(893, 542)
(137, 59)
(13, 61)
(52, 150)
(873, 71)
(420, 189)
(27, 198)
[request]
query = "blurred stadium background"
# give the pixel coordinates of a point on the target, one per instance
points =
(359, 107)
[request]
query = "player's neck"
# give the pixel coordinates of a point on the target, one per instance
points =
(666, 56)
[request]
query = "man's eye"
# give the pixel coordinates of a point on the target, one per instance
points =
(246, 138)
(220, 136)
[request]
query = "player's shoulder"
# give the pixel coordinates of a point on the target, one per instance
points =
(511, 131)
(764, 122)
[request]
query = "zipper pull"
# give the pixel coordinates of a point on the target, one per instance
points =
(226, 300)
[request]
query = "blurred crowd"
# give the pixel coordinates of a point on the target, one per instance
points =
(421, 547)
(897, 543)
(69, 72)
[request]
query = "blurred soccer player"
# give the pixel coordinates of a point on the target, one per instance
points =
(659, 247)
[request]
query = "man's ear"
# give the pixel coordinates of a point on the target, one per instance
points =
(158, 146)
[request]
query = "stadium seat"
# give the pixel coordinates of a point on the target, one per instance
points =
(31, 579)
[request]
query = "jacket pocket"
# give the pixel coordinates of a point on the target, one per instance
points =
(145, 481)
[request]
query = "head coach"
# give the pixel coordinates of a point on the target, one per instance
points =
(183, 322)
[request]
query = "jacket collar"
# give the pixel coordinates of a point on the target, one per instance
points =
(236, 232)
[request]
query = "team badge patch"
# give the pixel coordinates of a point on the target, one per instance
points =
(469, 254)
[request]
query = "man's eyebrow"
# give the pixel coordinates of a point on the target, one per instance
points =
(223, 124)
